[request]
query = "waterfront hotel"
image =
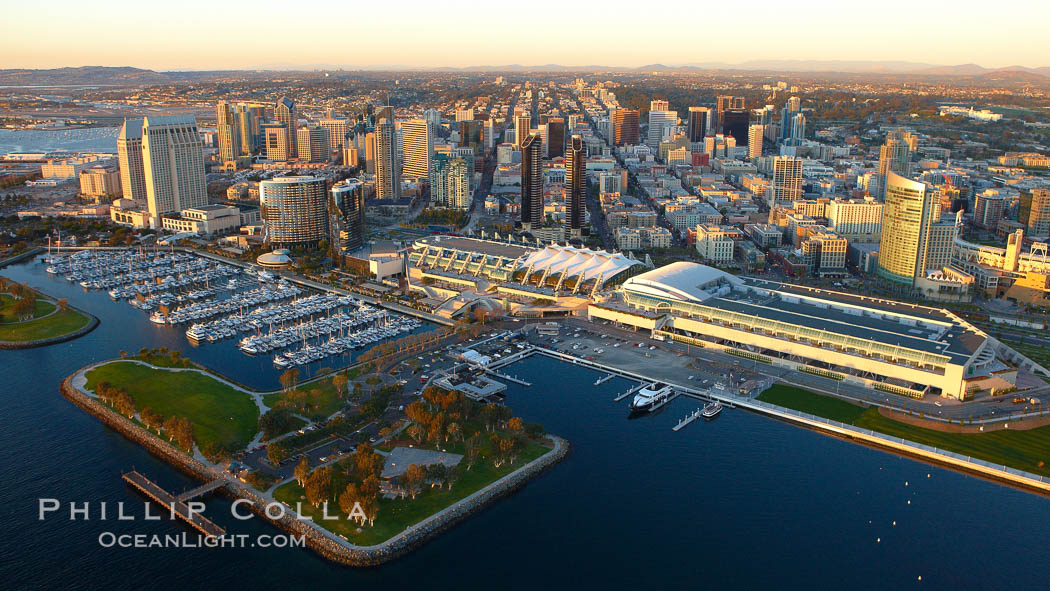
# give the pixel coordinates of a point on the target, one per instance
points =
(894, 347)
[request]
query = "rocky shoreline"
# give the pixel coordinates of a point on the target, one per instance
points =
(325, 544)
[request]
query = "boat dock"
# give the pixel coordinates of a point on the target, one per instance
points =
(603, 379)
(502, 376)
(688, 419)
(629, 392)
(177, 505)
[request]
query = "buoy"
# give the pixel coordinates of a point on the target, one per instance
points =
(920, 577)
(894, 524)
(905, 483)
(909, 502)
(878, 540)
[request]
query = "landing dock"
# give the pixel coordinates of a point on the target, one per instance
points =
(688, 419)
(603, 379)
(629, 392)
(177, 505)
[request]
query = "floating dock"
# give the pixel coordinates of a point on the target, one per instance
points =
(603, 379)
(629, 392)
(688, 419)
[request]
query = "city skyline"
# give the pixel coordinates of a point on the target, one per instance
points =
(899, 32)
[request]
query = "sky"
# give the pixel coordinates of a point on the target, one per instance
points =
(269, 34)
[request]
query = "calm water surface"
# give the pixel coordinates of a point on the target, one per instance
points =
(739, 502)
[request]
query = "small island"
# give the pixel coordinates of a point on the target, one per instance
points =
(392, 474)
(30, 319)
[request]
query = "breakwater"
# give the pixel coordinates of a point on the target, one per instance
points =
(321, 541)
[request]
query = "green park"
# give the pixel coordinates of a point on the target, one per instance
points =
(1027, 450)
(26, 315)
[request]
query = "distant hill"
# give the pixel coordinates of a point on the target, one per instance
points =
(119, 76)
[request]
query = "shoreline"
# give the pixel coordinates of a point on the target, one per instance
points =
(324, 542)
(1032, 483)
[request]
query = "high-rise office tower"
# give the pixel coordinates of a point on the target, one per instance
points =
(464, 115)
(433, 117)
(313, 144)
(531, 182)
(129, 156)
(173, 161)
(755, 132)
(294, 210)
(659, 122)
(555, 137)
(723, 104)
(786, 185)
(1034, 211)
(277, 142)
(337, 130)
(625, 127)
(735, 123)
(249, 119)
(575, 186)
(522, 126)
(470, 135)
(346, 216)
(659, 105)
(895, 156)
(907, 216)
(798, 129)
(384, 112)
(792, 107)
(370, 152)
(697, 125)
(284, 112)
(388, 168)
(489, 131)
(418, 147)
(229, 136)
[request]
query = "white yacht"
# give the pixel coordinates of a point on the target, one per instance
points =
(711, 410)
(651, 397)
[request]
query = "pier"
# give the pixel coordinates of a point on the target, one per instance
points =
(502, 376)
(603, 379)
(629, 392)
(688, 419)
(177, 505)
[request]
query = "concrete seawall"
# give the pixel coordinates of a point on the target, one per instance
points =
(976, 466)
(321, 541)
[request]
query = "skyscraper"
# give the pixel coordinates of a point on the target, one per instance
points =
(522, 126)
(735, 123)
(284, 112)
(907, 216)
(277, 143)
(1035, 211)
(173, 161)
(229, 136)
(313, 144)
(249, 120)
(129, 156)
(723, 104)
(555, 137)
(346, 216)
(895, 157)
(337, 130)
(385, 112)
(388, 169)
(418, 147)
(370, 152)
(625, 127)
(575, 186)
(798, 129)
(698, 123)
(786, 185)
(792, 107)
(470, 136)
(294, 209)
(531, 182)
(659, 105)
(659, 122)
(755, 132)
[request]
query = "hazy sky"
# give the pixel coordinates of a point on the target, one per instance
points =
(195, 34)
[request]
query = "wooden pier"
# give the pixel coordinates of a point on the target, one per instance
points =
(177, 505)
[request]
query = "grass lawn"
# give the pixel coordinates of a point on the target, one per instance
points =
(322, 405)
(397, 514)
(1024, 450)
(55, 325)
(7, 307)
(219, 413)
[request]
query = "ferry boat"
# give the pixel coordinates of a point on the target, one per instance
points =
(651, 397)
(711, 410)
